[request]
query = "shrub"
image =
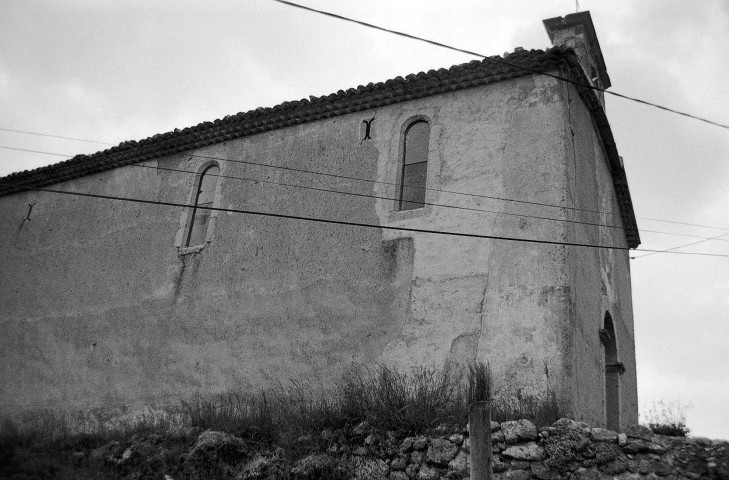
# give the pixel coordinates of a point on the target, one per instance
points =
(667, 418)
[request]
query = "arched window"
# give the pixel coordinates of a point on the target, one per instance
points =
(613, 370)
(197, 229)
(414, 166)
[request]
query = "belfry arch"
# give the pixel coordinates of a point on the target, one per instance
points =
(613, 369)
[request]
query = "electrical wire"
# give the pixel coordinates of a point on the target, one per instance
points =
(354, 224)
(54, 136)
(670, 250)
(501, 61)
(369, 180)
(426, 203)
(306, 187)
(36, 151)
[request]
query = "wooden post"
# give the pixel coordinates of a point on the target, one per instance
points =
(479, 419)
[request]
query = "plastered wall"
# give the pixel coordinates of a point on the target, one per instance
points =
(99, 307)
(600, 277)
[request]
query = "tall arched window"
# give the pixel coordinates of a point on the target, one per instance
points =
(613, 369)
(197, 229)
(414, 166)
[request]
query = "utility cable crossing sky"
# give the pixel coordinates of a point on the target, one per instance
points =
(503, 62)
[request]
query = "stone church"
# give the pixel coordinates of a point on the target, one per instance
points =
(300, 240)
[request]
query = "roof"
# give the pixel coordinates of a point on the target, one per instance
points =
(374, 95)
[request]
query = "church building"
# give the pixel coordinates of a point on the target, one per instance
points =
(475, 213)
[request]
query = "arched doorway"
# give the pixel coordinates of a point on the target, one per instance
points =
(613, 369)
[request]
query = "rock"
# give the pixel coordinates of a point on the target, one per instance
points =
(126, 456)
(639, 431)
(406, 444)
(427, 473)
(605, 452)
(417, 457)
(637, 446)
(420, 443)
(362, 429)
(456, 438)
(603, 435)
(622, 439)
(614, 467)
(656, 448)
(585, 474)
(569, 424)
(461, 463)
(519, 430)
(495, 426)
(520, 465)
(441, 451)
(360, 451)
(215, 445)
(497, 437)
(398, 476)
(531, 452)
(400, 462)
(499, 465)
(314, 466)
(372, 439)
(513, 475)
(264, 467)
(581, 443)
(542, 472)
(369, 469)
(412, 470)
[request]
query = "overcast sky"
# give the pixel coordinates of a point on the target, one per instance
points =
(123, 70)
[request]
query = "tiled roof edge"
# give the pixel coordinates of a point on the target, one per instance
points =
(399, 89)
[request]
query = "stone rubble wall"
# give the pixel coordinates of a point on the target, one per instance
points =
(566, 450)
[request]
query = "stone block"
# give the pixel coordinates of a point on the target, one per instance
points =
(517, 430)
(529, 452)
(542, 472)
(604, 435)
(461, 463)
(639, 431)
(427, 473)
(441, 451)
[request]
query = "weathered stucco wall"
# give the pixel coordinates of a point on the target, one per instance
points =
(600, 277)
(99, 307)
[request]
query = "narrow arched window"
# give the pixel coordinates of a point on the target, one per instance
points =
(414, 166)
(613, 370)
(197, 230)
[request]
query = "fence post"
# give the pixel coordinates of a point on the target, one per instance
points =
(479, 418)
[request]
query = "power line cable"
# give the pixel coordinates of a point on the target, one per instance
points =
(314, 172)
(36, 151)
(369, 180)
(426, 203)
(381, 198)
(501, 61)
(354, 224)
(671, 250)
(54, 136)
(685, 235)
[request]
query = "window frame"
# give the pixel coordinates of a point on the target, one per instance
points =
(187, 219)
(402, 165)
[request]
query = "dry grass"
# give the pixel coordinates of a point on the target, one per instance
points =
(41, 445)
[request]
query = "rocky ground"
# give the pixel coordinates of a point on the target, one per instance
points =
(567, 449)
